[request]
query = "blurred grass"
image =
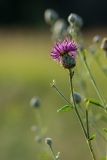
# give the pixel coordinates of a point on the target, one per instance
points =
(26, 70)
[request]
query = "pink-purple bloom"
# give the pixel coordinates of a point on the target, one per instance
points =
(65, 52)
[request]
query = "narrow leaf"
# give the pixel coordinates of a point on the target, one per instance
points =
(65, 108)
(92, 137)
(95, 103)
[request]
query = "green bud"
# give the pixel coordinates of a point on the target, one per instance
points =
(77, 97)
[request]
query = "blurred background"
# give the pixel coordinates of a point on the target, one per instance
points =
(26, 70)
(30, 12)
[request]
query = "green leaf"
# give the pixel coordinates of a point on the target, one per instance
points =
(92, 137)
(105, 130)
(95, 103)
(65, 108)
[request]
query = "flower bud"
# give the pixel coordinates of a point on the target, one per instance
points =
(34, 128)
(48, 141)
(77, 97)
(50, 16)
(58, 156)
(35, 102)
(38, 139)
(75, 19)
(104, 44)
(59, 28)
(68, 62)
(96, 39)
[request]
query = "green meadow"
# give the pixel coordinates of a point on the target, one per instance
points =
(26, 70)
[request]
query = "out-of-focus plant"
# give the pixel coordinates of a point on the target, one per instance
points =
(69, 48)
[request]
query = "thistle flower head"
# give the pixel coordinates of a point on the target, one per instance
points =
(65, 52)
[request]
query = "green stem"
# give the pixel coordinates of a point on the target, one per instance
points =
(86, 134)
(74, 103)
(59, 92)
(91, 150)
(87, 124)
(54, 156)
(93, 81)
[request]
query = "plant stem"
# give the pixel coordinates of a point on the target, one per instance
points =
(74, 103)
(87, 124)
(86, 134)
(60, 93)
(93, 81)
(52, 152)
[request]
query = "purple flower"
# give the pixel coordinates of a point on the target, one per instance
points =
(65, 53)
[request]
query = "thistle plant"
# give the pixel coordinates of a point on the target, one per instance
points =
(69, 48)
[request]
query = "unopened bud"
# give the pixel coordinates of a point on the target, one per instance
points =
(77, 98)
(104, 44)
(96, 39)
(38, 139)
(34, 128)
(50, 16)
(59, 28)
(35, 102)
(48, 141)
(75, 19)
(58, 156)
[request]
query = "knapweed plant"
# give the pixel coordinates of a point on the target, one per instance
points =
(68, 49)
